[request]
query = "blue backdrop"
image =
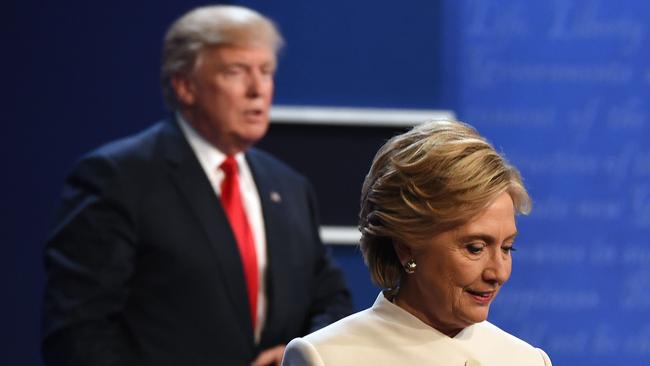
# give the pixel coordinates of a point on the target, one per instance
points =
(559, 86)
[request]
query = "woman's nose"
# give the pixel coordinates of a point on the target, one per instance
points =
(498, 268)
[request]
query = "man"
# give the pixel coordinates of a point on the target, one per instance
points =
(182, 245)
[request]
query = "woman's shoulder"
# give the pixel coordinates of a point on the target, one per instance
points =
(332, 345)
(352, 327)
(487, 330)
(382, 322)
(380, 335)
(491, 340)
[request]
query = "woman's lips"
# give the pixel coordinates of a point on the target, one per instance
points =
(481, 297)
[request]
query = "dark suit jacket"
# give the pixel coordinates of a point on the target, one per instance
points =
(143, 268)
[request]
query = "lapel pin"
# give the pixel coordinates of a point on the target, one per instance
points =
(275, 197)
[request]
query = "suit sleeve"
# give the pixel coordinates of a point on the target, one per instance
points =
(330, 300)
(89, 259)
(299, 352)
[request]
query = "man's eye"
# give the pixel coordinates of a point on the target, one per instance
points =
(232, 71)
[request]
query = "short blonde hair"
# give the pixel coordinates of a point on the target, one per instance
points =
(214, 25)
(428, 180)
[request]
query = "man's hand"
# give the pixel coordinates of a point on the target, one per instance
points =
(271, 356)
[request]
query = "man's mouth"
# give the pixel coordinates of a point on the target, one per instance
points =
(255, 112)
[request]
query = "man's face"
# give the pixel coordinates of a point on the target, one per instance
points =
(227, 96)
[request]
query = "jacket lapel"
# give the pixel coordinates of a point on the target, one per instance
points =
(278, 274)
(188, 175)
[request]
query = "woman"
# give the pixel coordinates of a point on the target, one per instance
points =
(438, 227)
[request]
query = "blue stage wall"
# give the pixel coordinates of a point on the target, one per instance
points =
(560, 86)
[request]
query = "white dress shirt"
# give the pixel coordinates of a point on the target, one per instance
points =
(211, 158)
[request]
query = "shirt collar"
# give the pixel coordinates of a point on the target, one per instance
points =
(209, 156)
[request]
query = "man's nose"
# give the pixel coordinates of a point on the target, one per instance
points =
(256, 84)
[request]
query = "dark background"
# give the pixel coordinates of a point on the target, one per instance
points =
(560, 86)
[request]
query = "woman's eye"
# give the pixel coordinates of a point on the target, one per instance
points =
(474, 248)
(508, 249)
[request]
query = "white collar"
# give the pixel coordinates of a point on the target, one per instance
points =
(209, 156)
(394, 313)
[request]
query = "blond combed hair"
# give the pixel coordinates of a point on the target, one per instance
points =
(211, 26)
(428, 180)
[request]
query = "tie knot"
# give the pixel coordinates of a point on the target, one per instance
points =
(229, 166)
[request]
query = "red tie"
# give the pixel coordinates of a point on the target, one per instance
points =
(232, 204)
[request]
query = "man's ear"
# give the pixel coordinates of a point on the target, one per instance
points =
(184, 89)
(403, 251)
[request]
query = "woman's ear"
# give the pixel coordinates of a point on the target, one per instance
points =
(403, 251)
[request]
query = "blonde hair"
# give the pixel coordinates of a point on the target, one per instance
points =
(215, 25)
(428, 180)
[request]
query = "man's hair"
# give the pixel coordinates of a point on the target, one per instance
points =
(209, 26)
(433, 178)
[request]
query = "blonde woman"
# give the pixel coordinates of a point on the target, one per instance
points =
(438, 230)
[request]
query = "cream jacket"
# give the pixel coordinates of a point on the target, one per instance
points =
(386, 334)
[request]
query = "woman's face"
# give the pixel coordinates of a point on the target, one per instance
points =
(460, 271)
